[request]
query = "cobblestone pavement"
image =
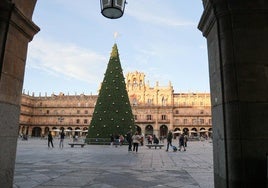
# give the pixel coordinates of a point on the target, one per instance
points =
(38, 166)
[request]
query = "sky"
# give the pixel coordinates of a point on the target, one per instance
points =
(159, 38)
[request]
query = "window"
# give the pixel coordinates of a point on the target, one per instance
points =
(135, 117)
(140, 82)
(134, 101)
(135, 82)
(86, 111)
(149, 117)
(164, 101)
(202, 121)
(185, 121)
(47, 111)
(78, 111)
(85, 121)
(177, 112)
(164, 117)
(78, 121)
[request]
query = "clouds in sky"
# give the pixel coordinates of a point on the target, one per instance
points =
(66, 60)
(156, 37)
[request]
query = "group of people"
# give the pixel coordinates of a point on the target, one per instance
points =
(50, 139)
(117, 140)
(182, 141)
(152, 139)
(134, 141)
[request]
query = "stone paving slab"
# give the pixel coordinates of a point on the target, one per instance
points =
(38, 166)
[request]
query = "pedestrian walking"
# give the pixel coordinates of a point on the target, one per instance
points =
(182, 142)
(149, 139)
(62, 136)
(136, 141)
(117, 140)
(129, 140)
(112, 139)
(155, 139)
(169, 139)
(185, 140)
(50, 139)
(121, 139)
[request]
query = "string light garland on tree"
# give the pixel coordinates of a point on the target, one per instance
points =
(112, 114)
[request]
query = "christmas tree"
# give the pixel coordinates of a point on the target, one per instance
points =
(112, 114)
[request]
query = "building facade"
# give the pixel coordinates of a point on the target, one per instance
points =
(156, 110)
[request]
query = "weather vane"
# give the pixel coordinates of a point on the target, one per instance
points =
(115, 36)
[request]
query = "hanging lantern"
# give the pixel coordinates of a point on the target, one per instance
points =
(112, 9)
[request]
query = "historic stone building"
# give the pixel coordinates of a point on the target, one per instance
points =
(236, 34)
(156, 110)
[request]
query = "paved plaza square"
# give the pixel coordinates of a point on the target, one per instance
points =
(38, 166)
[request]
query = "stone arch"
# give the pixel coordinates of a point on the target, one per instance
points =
(69, 131)
(194, 132)
(210, 133)
(149, 130)
(36, 132)
(138, 129)
(177, 131)
(163, 131)
(84, 131)
(185, 131)
(77, 131)
(203, 132)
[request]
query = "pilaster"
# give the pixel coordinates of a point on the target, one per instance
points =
(236, 33)
(16, 31)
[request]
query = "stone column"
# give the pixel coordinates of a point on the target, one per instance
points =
(237, 39)
(43, 131)
(30, 131)
(16, 31)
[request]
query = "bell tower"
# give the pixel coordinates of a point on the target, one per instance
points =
(135, 81)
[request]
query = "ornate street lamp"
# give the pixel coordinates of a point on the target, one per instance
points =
(112, 9)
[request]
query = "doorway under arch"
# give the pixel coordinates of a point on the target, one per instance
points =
(163, 131)
(149, 130)
(36, 132)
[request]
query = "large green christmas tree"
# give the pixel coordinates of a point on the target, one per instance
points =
(112, 114)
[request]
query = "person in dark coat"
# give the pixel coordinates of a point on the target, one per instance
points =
(155, 140)
(62, 135)
(182, 142)
(50, 139)
(129, 140)
(112, 140)
(169, 139)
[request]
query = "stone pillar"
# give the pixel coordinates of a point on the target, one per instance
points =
(16, 31)
(237, 39)
(43, 131)
(30, 131)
